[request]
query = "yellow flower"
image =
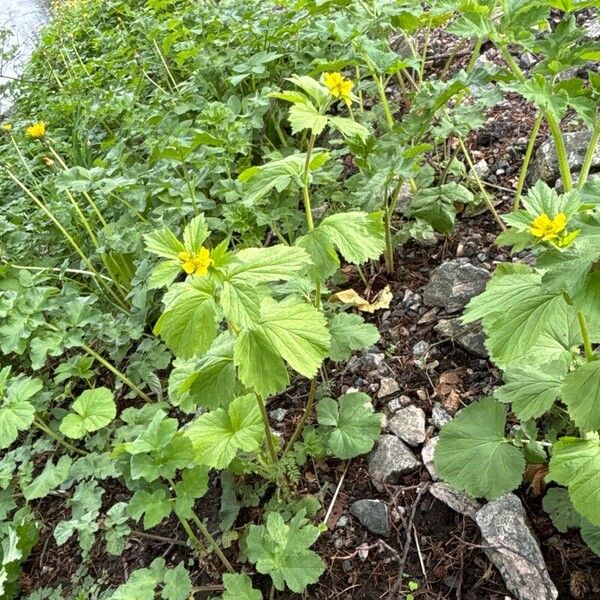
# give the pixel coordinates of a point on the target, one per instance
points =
(196, 263)
(546, 228)
(7, 127)
(339, 86)
(36, 131)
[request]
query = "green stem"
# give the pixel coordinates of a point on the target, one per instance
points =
(360, 94)
(589, 156)
(267, 426)
(310, 224)
(559, 142)
(190, 533)
(213, 543)
(585, 334)
(67, 236)
(474, 55)
(43, 427)
(118, 374)
(527, 159)
(561, 152)
(486, 196)
(387, 223)
(307, 411)
(384, 101)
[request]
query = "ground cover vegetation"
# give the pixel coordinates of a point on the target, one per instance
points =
(185, 185)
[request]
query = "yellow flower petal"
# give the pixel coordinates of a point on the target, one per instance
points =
(36, 131)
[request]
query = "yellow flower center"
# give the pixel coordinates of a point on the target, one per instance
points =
(196, 263)
(546, 228)
(36, 131)
(339, 86)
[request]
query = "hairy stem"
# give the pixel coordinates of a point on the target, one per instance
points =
(118, 374)
(212, 542)
(307, 411)
(527, 159)
(589, 157)
(559, 142)
(486, 196)
(585, 334)
(267, 426)
(43, 427)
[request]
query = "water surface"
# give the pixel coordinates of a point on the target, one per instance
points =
(23, 18)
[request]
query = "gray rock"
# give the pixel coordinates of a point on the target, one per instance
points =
(373, 514)
(387, 387)
(440, 416)
(592, 29)
(278, 414)
(427, 454)
(404, 198)
(459, 501)
(420, 348)
(409, 425)
(342, 522)
(373, 361)
(592, 178)
(469, 336)
(513, 548)
(390, 459)
(454, 283)
(482, 168)
(527, 60)
(545, 163)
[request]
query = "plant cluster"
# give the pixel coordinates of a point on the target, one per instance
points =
(183, 183)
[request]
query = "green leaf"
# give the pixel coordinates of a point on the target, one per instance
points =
(93, 410)
(473, 454)
(254, 266)
(437, 205)
(349, 333)
(354, 425)
(260, 366)
(177, 584)
(164, 242)
(195, 233)
(581, 394)
(193, 485)
(281, 550)
(359, 236)
(15, 415)
(298, 331)
(50, 478)
(188, 324)
(218, 435)
(164, 274)
(575, 463)
(591, 535)
(319, 247)
(516, 312)
(208, 381)
(315, 90)
(531, 391)
(306, 116)
(275, 175)
(349, 128)
(240, 301)
(558, 505)
(238, 586)
(542, 93)
(155, 507)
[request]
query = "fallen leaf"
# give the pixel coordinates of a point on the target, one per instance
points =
(381, 300)
(449, 389)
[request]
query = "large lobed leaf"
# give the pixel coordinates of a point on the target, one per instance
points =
(474, 455)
